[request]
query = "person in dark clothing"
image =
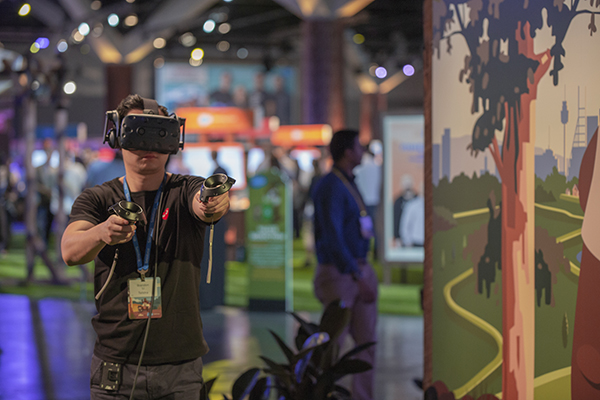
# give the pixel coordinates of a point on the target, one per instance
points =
(171, 244)
(342, 235)
(407, 195)
(222, 97)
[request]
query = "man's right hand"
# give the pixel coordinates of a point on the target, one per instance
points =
(116, 230)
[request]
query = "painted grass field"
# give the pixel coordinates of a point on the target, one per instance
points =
(467, 324)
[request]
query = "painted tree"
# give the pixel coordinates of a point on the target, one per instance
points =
(502, 72)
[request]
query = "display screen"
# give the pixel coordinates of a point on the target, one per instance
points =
(198, 160)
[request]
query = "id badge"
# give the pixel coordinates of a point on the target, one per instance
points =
(140, 297)
(366, 227)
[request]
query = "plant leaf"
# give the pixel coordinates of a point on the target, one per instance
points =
(289, 354)
(335, 319)
(206, 388)
(351, 366)
(324, 385)
(342, 390)
(274, 367)
(261, 389)
(357, 350)
(244, 384)
(304, 331)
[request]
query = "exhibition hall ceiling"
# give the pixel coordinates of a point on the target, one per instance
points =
(388, 33)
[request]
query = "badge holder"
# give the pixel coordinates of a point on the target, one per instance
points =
(214, 185)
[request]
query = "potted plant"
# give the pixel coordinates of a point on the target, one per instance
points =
(312, 370)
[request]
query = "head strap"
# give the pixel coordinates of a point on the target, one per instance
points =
(150, 106)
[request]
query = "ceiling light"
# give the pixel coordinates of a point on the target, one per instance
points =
(224, 28)
(197, 54)
(242, 53)
(195, 63)
(113, 19)
(77, 36)
(372, 69)
(62, 45)
(218, 17)
(84, 29)
(380, 72)
(159, 43)
(70, 87)
(209, 26)
(187, 39)
(159, 62)
(223, 45)
(358, 38)
(96, 5)
(98, 29)
(24, 10)
(42, 42)
(408, 70)
(131, 20)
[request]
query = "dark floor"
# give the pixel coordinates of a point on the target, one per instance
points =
(46, 348)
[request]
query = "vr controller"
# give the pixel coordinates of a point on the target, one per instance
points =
(148, 131)
(129, 210)
(215, 185)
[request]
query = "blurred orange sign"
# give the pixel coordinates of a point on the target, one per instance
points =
(215, 119)
(307, 135)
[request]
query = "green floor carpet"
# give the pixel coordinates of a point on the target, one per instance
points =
(401, 296)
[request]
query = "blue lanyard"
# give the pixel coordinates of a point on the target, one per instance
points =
(143, 268)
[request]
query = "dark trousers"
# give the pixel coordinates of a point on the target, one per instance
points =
(166, 382)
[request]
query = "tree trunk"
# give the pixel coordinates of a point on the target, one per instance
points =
(518, 283)
(517, 169)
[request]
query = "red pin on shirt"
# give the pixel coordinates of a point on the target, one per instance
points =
(165, 214)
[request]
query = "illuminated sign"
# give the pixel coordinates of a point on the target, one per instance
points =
(307, 135)
(216, 119)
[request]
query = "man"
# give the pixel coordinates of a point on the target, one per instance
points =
(222, 96)
(169, 349)
(342, 236)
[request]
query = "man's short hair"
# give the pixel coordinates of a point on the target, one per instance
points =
(340, 142)
(135, 101)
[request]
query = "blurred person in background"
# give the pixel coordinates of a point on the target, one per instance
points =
(107, 166)
(282, 101)
(5, 188)
(342, 236)
(74, 180)
(308, 237)
(240, 97)
(408, 193)
(368, 181)
(46, 181)
(222, 96)
(412, 223)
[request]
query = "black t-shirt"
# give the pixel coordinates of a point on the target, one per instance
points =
(177, 335)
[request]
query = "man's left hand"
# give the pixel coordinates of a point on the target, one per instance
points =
(213, 209)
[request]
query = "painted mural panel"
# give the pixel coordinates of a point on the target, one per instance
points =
(515, 105)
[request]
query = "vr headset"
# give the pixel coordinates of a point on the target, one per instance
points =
(149, 131)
